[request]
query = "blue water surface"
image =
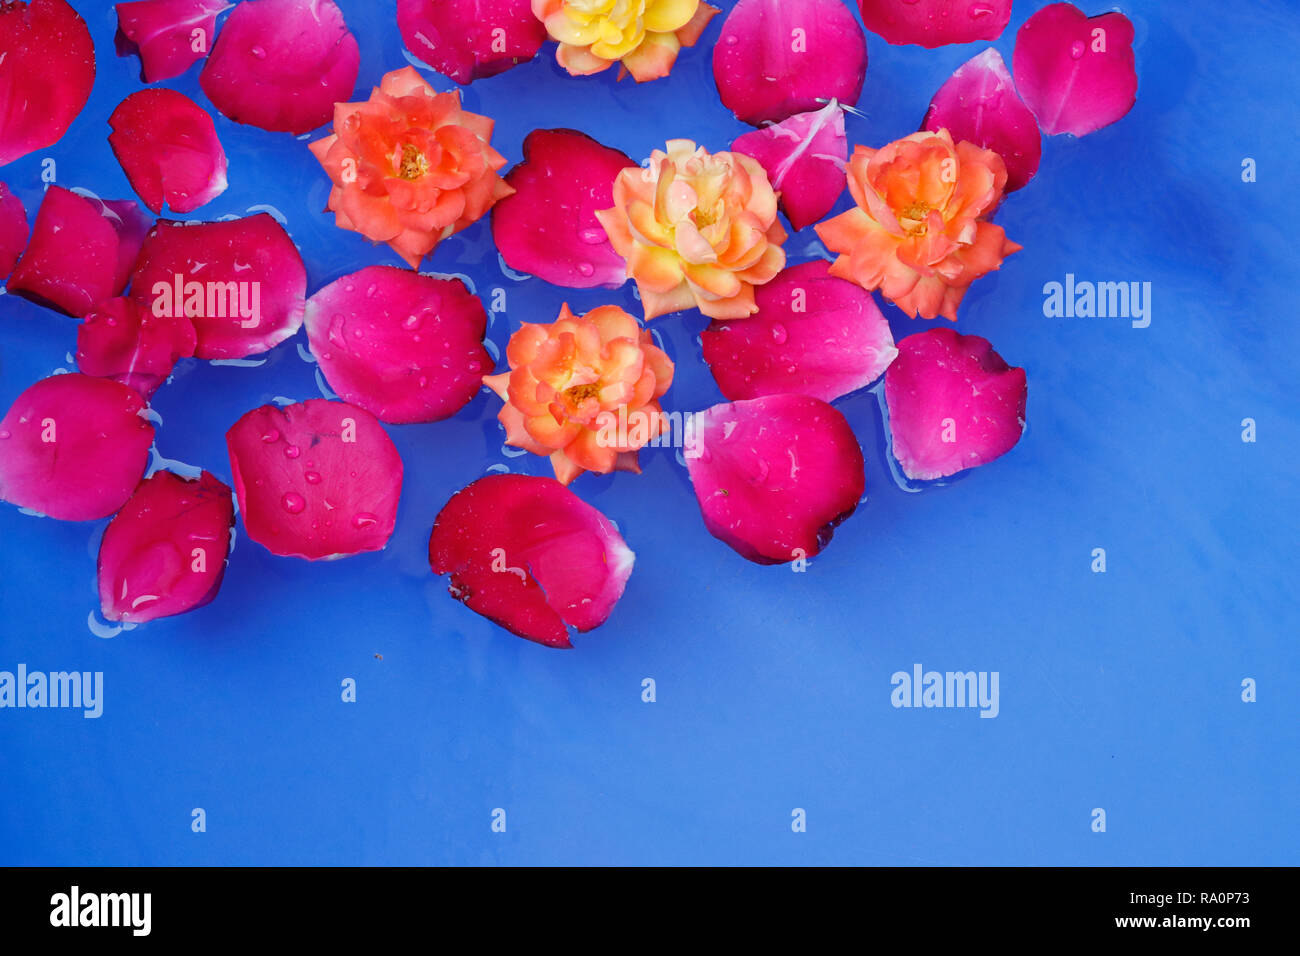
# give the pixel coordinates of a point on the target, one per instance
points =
(1120, 691)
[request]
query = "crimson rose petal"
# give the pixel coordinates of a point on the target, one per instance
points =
(804, 158)
(13, 230)
(319, 479)
(404, 346)
(119, 340)
(73, 447)
(169, 150)
(530, 555)
(548, 227)
(775, 475)
(168, 35)
(933, 23)
(165, 552)
(469, 41)
(953, 403)
(281, 65)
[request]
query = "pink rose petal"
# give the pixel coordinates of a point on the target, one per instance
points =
(165, 552)
(953, 404)
(780, 57)
(226, 268)
(804, 157)
(13, 230)
(933, 23)
(530, 555)
(470, 41)
(775, 475)
(548, 227)
(73, 447)
(813, 334)
(978, 103)
(1075, 72)
(318, 479)
(168, 35)
(404, 346)
(47, 68)
(119, 340)
(169, 150)
(131, 225)
(281, 65)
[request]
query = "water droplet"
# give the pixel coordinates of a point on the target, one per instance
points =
(586, 268)
(779, 335)
(4, 433)
(1076, 50)
(732, 40)
(364, 519)
(593, 236)
(978, 10)
(474, 368)
(258, 52)
(291, 451)
(312, 478)
(411, 322)
(271, 436)
(293, 502)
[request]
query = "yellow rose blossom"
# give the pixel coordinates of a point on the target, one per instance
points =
(643, 36)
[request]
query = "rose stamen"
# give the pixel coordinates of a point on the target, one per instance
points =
(413, 164)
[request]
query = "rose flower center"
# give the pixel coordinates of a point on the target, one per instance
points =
(413, 164)
(577, 394)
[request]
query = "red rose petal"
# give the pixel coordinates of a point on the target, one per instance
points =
(813, 334)
(953, 403)
(254, 254)
(73, 447)
(131, 225)
(933, 23)
(281, 65)
(469, 41)
(548, 227)
(781, 57)
(978, 103)
(165, 552)
(119, 340)
(13, 230)
(165, 33)
(404, 346)
(1075, 72)
(47, 68)
(804, 157)
(530, 555)
(775, 475)
(318, 479)
(169, 150)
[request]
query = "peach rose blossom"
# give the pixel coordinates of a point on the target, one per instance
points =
(919, 233)
(409, 166)
(642, 36)
(584, 391)
(697, 229)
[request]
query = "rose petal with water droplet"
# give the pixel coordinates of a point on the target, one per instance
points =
(934, 23)
(804, 157)
(169, 150)
(470, 41)
(530, 555)
(13, 230)
(167, 35)
(121, 341)
(775, 475)
(165, 552)
(74, 447)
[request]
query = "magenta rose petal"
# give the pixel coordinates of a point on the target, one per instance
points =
(242, 282)
(1075, 72)
(933, 23)
(470, 41)
(404, 346)
(169, 150)
(804, 158)
(168, 35)
(548, 226)
(813, 334)
(775, 475)
(781, 57)
(281, 65)
(165, 552)
(119, 340)
(13, 230)
(953, 404)
(47, 68)
(131, 225)
(318, 479)
(73, 447)
(530, 555)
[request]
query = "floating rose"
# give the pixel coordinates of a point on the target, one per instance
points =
(409, 166)
(813, 334)
(73, 447)
(165, 552)
(548, 227)
(168, 35)
(404, 346)
(47, 67)
(697, 229)
(781, 57)
(470, 41)
(934, 23)
(804, 158)
(13, 230)
(169, 150)
(281, 65)
(121, 341)
(530, 555)
(774, 476)
(642, 36)
(315, 480)
(918, 233)
(953, 404)
(583, 391)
